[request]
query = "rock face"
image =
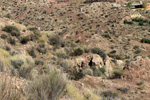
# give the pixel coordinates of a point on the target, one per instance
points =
(138, 69)
(120, 64)
(94, 60)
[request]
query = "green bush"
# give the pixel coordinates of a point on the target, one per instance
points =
(49, 86)
(128, 22)
(102, 70)
(140, 20)
(13, 30)
(78, 52)
(144, 40)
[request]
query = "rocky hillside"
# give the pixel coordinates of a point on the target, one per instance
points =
(97, 51)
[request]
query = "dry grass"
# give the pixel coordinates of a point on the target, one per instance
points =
(9, 90)
(4, 61)
(82, 94)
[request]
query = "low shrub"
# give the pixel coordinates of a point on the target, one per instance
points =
(129, 4)
(42, 50)
(120, 57)
(140, 20)
(76, 74)
(142, 87)
(128, 22)
(56, 41)
(97, 72)
(49, 86)
(13, 30)
(61, 55)
(35, 36)
(99, 52)
(33, 28)
(145, 40)
(117, 73)
(109, 94)
(7, 15)
(11, 40)
(22, 66)
(18, 65)
(86, 50)
(102, 70)
(141, 23)
(87, 71)
(24, 40)
(78, 52)
(123, 89)
(3, 36)
(32, 53)
(106, 35)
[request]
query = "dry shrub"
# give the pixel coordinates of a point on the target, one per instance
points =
(9, 90)
(49, 86)
(19, 65)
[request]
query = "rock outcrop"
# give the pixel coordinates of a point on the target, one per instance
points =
(138, 69)
(95, 60)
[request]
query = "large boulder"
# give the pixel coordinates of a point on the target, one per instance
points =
(94, 60)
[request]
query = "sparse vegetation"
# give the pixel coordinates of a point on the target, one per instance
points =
(74, 38)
